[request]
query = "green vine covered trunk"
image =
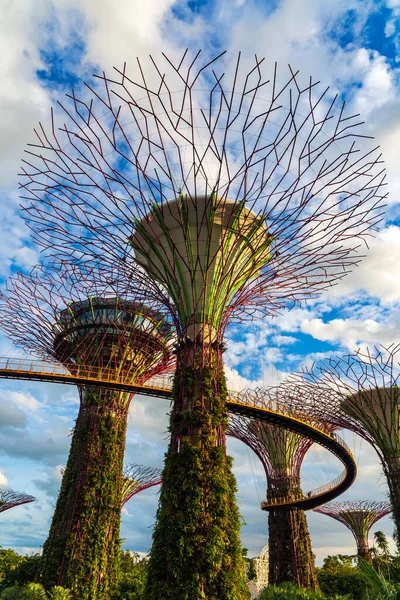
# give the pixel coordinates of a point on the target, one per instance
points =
(196, 550)
(82, 550)
(391, 468)
(290, 552)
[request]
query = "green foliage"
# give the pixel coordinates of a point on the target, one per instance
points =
(16, 569)
(32, 591)
(378, 587)
(339, 575)
(60, 593)
(381, 543)
(251, 573)
(289, 591)
(131, 577)
(9, 560)
(82, 550)
(290, 553)
(200, 555)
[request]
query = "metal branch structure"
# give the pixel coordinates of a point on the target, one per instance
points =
(358, 516)
(87, 319)
(10, 499)
(281, 453)
(229, 196)
(358, 392)
(138, 478)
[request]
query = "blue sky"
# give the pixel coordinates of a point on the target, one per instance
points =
(50, 46)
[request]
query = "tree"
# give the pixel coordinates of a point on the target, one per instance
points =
(131, 576)
(339, 575)
(381, 543)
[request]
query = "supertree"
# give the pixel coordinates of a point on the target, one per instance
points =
(281, 453)
(358, 391)
(88, 317)
(10, 499)
(358, 516)
(138, 478)
(231, 197)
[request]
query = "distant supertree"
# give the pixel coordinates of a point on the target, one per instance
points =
(231, 196)
(281, 453)
(88, 317)
(358, 516)
(358, 392)
(10, 499)
(138, 478)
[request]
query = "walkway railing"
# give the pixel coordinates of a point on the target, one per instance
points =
(15, 368)
(238, 402)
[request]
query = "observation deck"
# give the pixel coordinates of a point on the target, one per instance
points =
(238, 402)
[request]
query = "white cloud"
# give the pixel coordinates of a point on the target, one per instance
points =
(11, 416)
(115, 34)
(21, 399)
(3, 479)
(378, 272)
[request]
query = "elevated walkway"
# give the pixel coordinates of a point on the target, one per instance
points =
(239, 403)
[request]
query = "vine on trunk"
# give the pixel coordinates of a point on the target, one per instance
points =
(82, 549)
(290, 552)
(200, 556)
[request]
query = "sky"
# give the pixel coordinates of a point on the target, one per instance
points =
(51, 46)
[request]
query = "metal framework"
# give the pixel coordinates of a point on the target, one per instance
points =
(10, 499)
(138, 478)
(281, 452)
(358, 516)
(87, 316)
(358, 392)
(242, 192)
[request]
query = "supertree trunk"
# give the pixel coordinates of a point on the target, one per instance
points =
(290, 552)
(200, 556)
(391, 469)
(81, 552)
(363, 548)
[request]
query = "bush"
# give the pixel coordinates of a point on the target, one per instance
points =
(131, 577)
(379, 588)
(22, 572)
(9, 560)
(289, 591)
(339, 575)
(60, 593)
(33, 591)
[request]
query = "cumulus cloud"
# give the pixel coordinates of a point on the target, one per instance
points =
(50, 484)
(3, 479)
(11, 416)
(377, 273)
(23, 400)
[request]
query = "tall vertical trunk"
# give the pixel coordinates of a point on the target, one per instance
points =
(363, 548)
(82, 550)
(391, 468)
(290, 552)
(196, 550)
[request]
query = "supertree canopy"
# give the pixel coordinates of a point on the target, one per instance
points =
(229, 196)
(10, 499)
(88, 317)
(138, 478)
(358, 392)
(281, 453)
(358, 516)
